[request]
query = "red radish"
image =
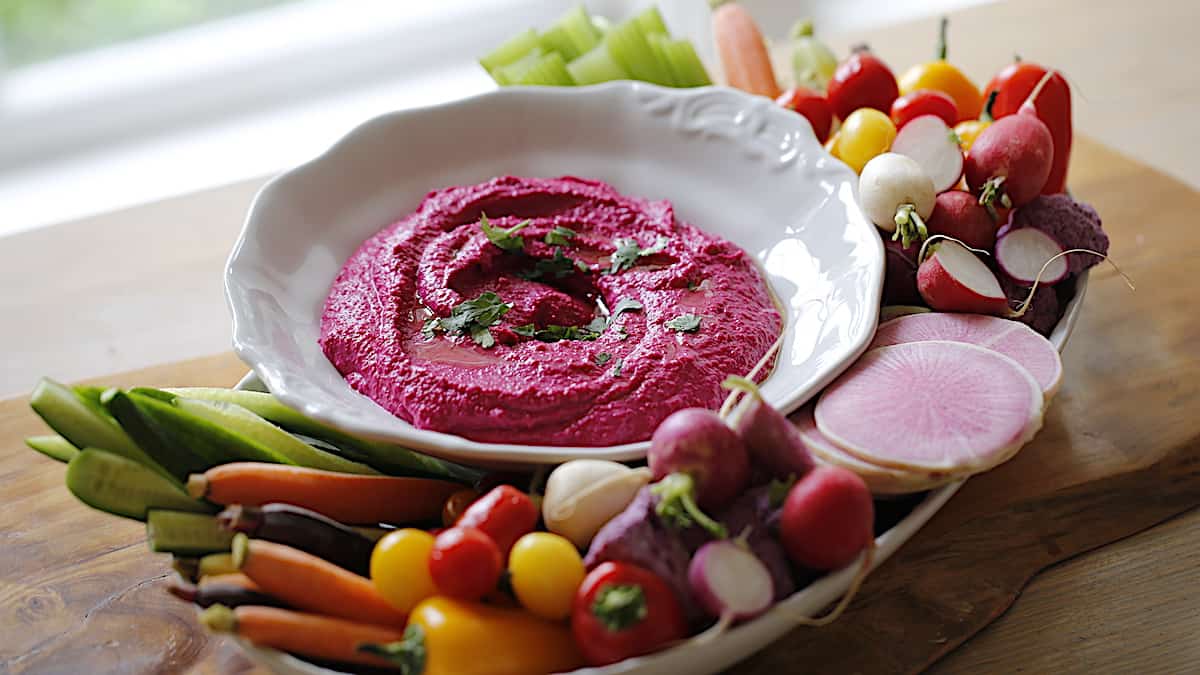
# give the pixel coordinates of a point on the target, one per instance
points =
(1010, 160)
(1023, 253)
(881, 480)
(828, 519)
(769, 437)
(1011, 338)
(900, 273)
(1050, 102)
(813, 106)
(932, 406)
(954, 280)
(699, 462)
(729, 581)
(958, 215)
(928, 140)
(1074, 225)
(896, 195)
(924, 102)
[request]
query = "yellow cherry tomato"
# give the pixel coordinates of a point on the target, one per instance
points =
(939, 75)
(865, 134)
(400, 568)
(968, 131)
(545, 571)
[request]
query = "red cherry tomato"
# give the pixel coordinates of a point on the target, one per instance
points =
(623, 610)
(862, 81)
(924, 102)
(813, 106)
(456, 504)
(505, 514)
(465, 563)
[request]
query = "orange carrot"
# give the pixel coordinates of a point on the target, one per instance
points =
(348, 498)
(318, 637)
(306, 582)
(743, 51)
(229, 579)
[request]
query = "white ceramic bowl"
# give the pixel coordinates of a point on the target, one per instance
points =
(734, 165)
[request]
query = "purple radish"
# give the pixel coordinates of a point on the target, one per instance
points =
(933, 145)
(954, 280)
(900, 273)
(1044, 310)
(940, 406)
(880, 479)
(1011, 338)
(698, 463)
(730, 582)
(1072, 224)
(958, 215)
(769, 437)
(1026, 253)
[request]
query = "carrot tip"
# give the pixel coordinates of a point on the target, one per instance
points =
(241, 548)
(219, 619)
(197, 485)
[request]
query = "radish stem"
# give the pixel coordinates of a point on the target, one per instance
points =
(678, 505)
(855, 585)
(733, 397)
(908, 220)
(1024, 306)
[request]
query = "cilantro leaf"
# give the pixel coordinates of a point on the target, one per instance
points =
(598, 324)
(625, 305)
(602, 358)
(628, 251)
(618, 365)
(685, 323)
(559, 236)
(694, 285)
(505, 239)
(554, 333)
(471, 317)
(558, 267)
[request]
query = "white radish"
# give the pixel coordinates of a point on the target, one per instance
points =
(1011, 338)
(584, 494)
(1022, 253)
(881, 480)
(730, 582)
(932, 406)
(934, 146)
(952, 279)
(897, 196)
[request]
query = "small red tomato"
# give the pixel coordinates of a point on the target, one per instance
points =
(505, 514)
(813, 106)
(924, 102)
(465, 563)
(456, 504)
(862, 81)
(623, 610)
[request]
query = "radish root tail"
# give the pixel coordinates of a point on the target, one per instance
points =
(714, 631)
(855, 585)
(1024, 306)
(734, 395)
(924, 252)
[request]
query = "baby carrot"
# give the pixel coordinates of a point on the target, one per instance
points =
(347, 498)
(229, 579)
(743, 51)
(318, 637)
(306, 582)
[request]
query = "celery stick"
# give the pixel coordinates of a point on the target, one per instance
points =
(629, 47)
(556, 39)
(513, 72)
(511, 50)
(685, 64)
(579, 28)
(651, 22)
(597, 66)
(551, 70)
(658, 46)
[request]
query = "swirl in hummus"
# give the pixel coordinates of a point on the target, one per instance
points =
(545, 311)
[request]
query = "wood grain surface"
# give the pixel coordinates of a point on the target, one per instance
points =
(1120, 452)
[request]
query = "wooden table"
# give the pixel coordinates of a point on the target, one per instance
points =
(143, 287)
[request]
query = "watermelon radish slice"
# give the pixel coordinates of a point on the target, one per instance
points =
(938, 405)
(880, 479)
(1011, 338)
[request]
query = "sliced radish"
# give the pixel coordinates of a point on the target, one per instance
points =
(932, 406)
(881, 479)
(954, 280)
(935, 148)
(1011, 338)
(1022, 254)
(729, 581)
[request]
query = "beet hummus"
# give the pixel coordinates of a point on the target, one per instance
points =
(545, 311)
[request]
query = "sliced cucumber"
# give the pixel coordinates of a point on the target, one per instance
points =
(185, 533)
(597, 66)
(510, 51)
(85, 423)
(54, 446)
(257, 430)
(392, 459)
(170, 453)
(550, 71)
(123, 487)
(651, 22)
(628, 45)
